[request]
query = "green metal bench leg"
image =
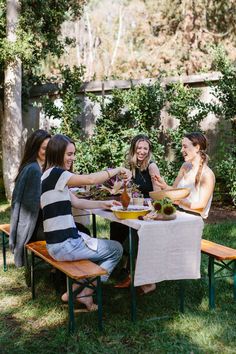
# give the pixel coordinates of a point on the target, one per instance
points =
(211, 283)
(4, 251)
(99, 301)
(181, 296)
(32, 275)
(234, 278)
(71, 305)
(94, 225)
(132, 288)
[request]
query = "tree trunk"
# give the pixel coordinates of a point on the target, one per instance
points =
(12, 115)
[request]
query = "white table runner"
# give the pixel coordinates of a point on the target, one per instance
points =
(168, 250)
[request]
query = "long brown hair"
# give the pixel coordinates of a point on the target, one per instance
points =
(32, 147)
(131, 158)
(198, 138)
(56, 150)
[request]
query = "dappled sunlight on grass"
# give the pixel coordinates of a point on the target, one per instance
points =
(41, 325)
(204, 332)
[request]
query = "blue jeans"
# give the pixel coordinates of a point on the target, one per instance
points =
(107, 255)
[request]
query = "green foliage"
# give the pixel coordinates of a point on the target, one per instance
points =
(123, 115)
(182, 103)
(226, 170)
(43, 19)
(69, 108)
(126, 113)
(225, 92)
(37, 33)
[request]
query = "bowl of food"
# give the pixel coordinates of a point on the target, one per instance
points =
(173, 194)
(132, 212)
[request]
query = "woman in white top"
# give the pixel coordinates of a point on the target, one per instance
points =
(194, 174)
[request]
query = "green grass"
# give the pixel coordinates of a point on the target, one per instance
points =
(40, 326)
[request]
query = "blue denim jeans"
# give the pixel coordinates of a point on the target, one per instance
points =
(107, 255)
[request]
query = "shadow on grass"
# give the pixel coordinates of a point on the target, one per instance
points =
(40, 326)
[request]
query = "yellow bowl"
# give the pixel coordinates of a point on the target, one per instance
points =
(173, 194)
(133, 212)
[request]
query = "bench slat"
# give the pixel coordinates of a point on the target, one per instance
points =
(218, 251)
(5, 228)
(74, 269)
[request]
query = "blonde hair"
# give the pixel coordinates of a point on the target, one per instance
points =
(131, 157)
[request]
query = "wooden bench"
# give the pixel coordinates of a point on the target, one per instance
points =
(225, 258)
(5, 232)
(75, 271)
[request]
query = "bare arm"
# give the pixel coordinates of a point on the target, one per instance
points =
(97, 177)
(154, 171)
(207, 184)
(92, 204)
(183, 169)
(161, 183)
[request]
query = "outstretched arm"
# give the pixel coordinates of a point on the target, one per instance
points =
(98, 177)
(92, 204)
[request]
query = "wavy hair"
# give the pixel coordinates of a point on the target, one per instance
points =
(131, 157)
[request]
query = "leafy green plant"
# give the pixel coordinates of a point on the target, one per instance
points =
(126, 113)
(225, 92)
(123, 115)
(70, 107)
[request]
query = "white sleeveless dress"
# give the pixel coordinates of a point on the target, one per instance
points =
(194, 196)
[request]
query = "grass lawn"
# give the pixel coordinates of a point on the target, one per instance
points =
(40, 326)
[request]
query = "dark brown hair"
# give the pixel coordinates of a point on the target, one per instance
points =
(32, 147)
(56, 150)
(198, 138)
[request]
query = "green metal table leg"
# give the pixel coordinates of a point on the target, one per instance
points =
(132, 288)
(211, 283)
(4, 251)
(234, 278)
(71, 305)
(181, 296)
(32, 275)
(94, 225)
(99, 301)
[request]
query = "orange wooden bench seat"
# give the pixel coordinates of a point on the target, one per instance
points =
(75, 271)
(5, 232)
(225, 258)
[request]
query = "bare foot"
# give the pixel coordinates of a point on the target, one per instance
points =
(65, 296)
(148, 288)
(87, 301)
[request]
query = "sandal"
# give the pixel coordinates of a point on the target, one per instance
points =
(124, 283)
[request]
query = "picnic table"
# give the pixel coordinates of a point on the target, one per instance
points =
(167, 250)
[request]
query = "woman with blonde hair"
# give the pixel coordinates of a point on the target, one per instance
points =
(144, 169)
